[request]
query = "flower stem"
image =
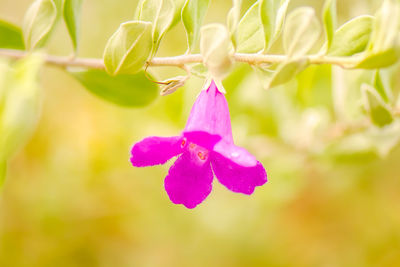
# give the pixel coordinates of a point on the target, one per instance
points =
(180, 61)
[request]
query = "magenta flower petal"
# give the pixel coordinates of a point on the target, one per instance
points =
(238, 178)
(189, 181)
(155, 150)
(209, 119)
(236, 154)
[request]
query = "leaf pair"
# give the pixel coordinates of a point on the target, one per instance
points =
(260, 26)
(376, 36)
(301, 31)
(41, 17)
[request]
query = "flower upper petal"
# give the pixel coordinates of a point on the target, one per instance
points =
(188, 182)
(209, 119)
(155, 150)
(238, 178)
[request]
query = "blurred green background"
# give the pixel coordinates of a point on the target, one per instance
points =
(72, 197)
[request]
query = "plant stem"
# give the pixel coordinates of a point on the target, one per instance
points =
(180, 61)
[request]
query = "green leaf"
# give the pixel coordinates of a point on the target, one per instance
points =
(280, 18)
(128, 48)
(178, 12)
(160, 14)
(233, 20)
(380, 59)
(19, 111)
(11, 36)
(288, 70)
(38, 23)
(216, 49)
(302, 30)
(71, 12)
(380, 88)
(250, 36)
(267, 14)
(383, 49)
(329, 20)
(193, 13)
(378, 111)
(352, 37)
(386, 27)
(134, 90)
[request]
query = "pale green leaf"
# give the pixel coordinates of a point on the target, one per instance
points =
(178, 12)
(329, 20)
(380, 59)
(71, 12)
(19, 112)
(377, 109)
(287, 71)
(38, 23)
(128, 48)
(250, 36)
(160, 13)
(352, 37)
(193, 13)
(11, 36)
(384, 49)
(302, 30)
(129, 90)
(268, 17)
(233, 20)
(280, 18)
(216, 49)
(380, 87)
(386, 27)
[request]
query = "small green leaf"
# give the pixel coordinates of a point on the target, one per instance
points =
(71, 12)
(128, 48)
(178, 12)
(19, 111)
(386, 27)
(193, 13)
(381, 59)
(216, 49)
(380, 88)
(352, 37)
(129, 90)
(280, 18)
(329, 19)
(302, 30)
(378, 111)
(286, 71)
(160, 14)
(199, 70)
(11, 36)
(383, 49)
(250, 36)
(233, 20)
(267, 14)
(38, 23)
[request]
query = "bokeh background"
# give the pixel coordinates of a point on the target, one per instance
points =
(72, 197)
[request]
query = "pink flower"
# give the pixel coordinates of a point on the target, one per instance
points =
(206, 141)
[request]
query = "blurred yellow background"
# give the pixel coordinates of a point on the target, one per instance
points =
(72, 197)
